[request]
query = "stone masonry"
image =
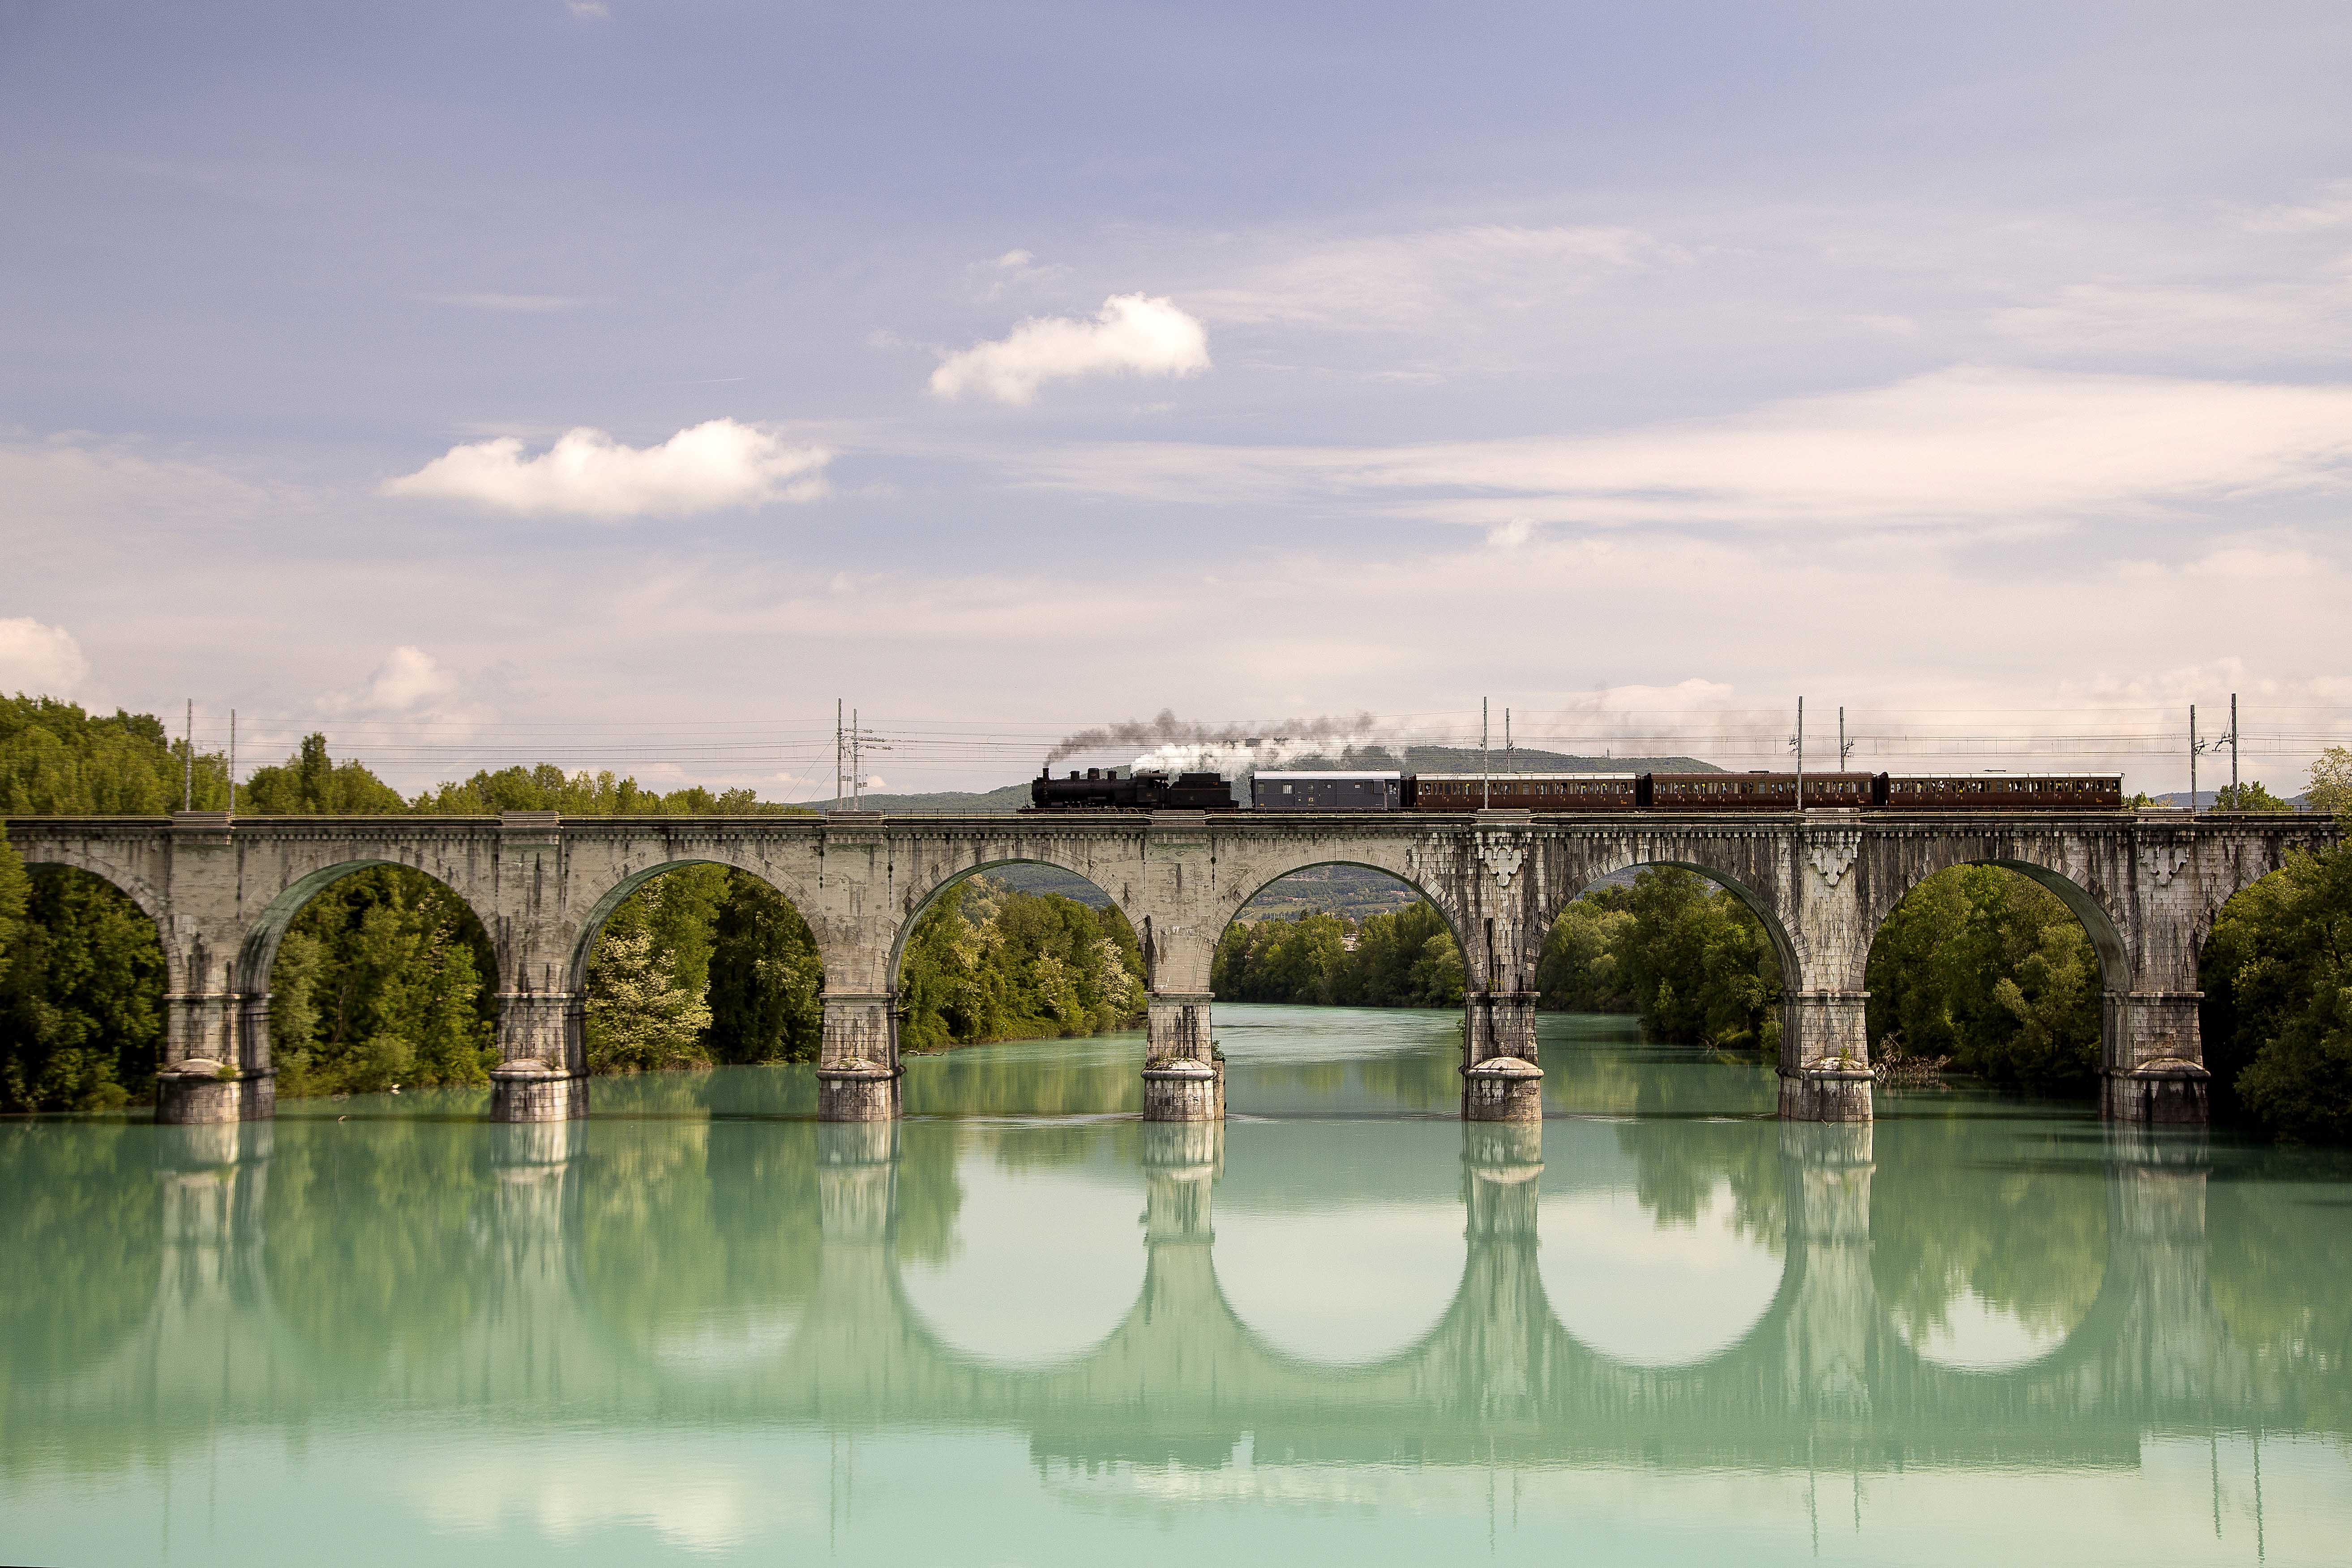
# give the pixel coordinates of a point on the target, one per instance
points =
(2145, 885)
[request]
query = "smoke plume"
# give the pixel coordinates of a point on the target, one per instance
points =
(1181, 744)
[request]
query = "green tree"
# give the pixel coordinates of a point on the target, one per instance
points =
(1404, 959)
(378, 981)
(2277, 1013)
(1582, 968)
(2248, 796)
(311, 784)
(2331, 782)
(1697, 963)
(985, 963)
(548, 788)
(1984, 966)
(639, 1018)
(767, 983)
(81, 997)
(15, 889)
(56, 759)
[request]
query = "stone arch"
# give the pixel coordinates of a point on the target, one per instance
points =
(2102, 923)
(1784, 934)
(920, 896)
(132, 886)
(258, 953)
(591, 924)
(1229, 904)
(2099, 924)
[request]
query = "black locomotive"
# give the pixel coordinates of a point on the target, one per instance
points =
(1101, 789)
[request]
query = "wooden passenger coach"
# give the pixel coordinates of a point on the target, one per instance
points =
(1523, 792)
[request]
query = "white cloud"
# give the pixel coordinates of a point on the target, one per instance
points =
(1962, 445)
(39, 660)
(586, 473)
(1512, 534)
(407, 677)
(413, 687)
(588, 10)
(1132, 332)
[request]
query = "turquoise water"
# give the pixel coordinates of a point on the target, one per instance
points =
(1023, 1328)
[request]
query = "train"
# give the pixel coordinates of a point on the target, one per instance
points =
(1108, 789)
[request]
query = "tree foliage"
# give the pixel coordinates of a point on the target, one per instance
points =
(311, 784)
(548, 788)
(1983, 966)
(767, 982)
(1691, 959)
(1405, 959)
(2248, 796)
(381, 979)
(15, 889)
(81, 997)
(2277, 1013)
(639, 1016)
(57, 761)
(701, 967)
(2331, 783)
(985, 963)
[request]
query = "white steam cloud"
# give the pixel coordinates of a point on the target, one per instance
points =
(713, 464)
(1183, 745)
(1132, 332)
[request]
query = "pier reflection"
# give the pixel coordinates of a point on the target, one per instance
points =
(1844, 1297)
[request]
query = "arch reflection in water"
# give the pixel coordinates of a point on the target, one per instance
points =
(1340, 1242)
(1662, 1242)
(1043, 1263)
(1988, 1244)
(654, 1278)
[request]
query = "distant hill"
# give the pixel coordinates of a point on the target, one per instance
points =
(1011, 798)
(2206, 799)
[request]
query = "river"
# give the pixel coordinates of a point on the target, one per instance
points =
(1022, 1327)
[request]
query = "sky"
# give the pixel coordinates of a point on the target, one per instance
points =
(623, 383)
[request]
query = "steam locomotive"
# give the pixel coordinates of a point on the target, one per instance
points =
(1100, 789)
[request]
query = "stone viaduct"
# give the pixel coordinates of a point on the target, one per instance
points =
(2145, 885)
(1826, 1375)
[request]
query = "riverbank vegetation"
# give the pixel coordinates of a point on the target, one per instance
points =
(986, 963)
(1408, 959)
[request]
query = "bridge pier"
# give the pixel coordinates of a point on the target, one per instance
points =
(1183, 1076)
(2153, 1059)
(1824, 1057)
(215, 1060)
(857, 1070)
(1500, 1079)
(544, 1076)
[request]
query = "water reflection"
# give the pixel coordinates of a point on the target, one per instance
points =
(1169, 1312)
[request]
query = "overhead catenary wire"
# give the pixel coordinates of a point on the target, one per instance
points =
(783, 758)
